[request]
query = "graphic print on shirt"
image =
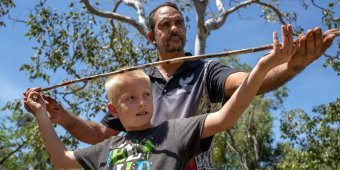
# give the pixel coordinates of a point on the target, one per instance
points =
(130, 155)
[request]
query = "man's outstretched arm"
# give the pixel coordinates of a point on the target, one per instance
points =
(85, 131)
(310, 47)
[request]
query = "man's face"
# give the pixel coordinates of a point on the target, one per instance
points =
(134, 104)
(169, 31)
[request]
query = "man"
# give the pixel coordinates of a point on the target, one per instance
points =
(189, 87)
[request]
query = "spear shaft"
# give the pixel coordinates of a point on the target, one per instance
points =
(175, 60)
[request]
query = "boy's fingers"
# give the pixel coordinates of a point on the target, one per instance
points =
(26, 91)
(34, 96)
(276, 44)
(27, 107)
(290, 39)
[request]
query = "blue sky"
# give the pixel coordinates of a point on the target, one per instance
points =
(315, 85)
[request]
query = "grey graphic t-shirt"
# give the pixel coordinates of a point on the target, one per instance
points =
(167, 146)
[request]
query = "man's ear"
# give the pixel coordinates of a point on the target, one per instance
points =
(151, 37)
(112, 109)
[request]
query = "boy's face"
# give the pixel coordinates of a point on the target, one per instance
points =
(133, 105)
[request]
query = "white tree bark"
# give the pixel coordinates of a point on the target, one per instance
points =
(140, 25)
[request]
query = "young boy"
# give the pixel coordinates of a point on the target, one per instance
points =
(167, 146)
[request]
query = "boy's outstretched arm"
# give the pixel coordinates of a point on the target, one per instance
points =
(231, 111)
(60, 156)
(86, 131)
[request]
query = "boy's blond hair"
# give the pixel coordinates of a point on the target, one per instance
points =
(113, 81)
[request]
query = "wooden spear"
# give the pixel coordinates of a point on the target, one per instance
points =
(180, 59)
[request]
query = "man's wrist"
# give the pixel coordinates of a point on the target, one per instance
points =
(294, 69)
(65, 118)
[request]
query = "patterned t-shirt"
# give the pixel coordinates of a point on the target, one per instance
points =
(167, 146)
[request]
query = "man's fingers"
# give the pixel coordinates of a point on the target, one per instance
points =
(318, 41)
(331, 31)
(301, 44)
(49, 99)
(310, 45)
(290, 40)
(328, 40)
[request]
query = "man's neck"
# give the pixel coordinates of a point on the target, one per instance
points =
(167, 70)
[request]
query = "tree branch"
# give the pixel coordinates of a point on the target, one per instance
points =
(140, 11)
(141, 27)
(216, 23)
(11, 153)
(116, 6)
(275, 10)
(202, 32)
(234, 148)
(318, 6)
(220, 6)
(252, 142)
(200, 7)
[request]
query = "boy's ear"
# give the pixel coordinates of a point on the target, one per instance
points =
(112, 109)
(151, 37)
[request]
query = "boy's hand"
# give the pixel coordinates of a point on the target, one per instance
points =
(282, 53)
(34, 101)
(54, 108)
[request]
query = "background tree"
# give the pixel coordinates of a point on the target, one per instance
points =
(94, 37)
(249, 145)
(316, 137)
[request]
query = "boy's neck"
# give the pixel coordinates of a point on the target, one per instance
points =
(134, 129)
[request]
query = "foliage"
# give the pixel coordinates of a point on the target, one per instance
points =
(5, 6)
(316, 138)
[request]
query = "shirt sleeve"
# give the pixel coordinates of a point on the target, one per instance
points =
(187, 132)
(93, 157)
(112, 122)
(217, 73)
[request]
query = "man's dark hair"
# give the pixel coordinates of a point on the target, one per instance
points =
(151, 21)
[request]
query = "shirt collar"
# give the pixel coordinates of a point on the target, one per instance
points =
(153, 71)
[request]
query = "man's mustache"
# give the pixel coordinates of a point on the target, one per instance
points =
(175, 35)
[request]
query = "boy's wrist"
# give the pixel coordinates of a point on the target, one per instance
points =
(263, 65)
(41, 112)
